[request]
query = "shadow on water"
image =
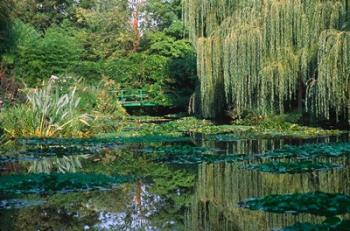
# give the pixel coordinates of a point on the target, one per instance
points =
(201, 182)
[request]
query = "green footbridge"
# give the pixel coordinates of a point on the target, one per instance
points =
(135, 98)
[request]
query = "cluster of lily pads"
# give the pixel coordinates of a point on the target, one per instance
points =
(303, 158)
(318, 203)
(308, 151)
(292, 167)
(56, 182)
(102, 140)
(330, 224)
(19, 203)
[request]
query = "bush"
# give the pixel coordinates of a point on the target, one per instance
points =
(104, 105)
(141, 71)
(47, 113)
(66, 106)
(41, 56)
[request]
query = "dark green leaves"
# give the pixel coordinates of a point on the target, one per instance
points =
(18, 203)
(330, 224)
(318, 203)
(311, 151)
(52, 183)
(292, 167)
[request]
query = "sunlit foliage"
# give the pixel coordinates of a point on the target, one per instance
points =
(260, 54)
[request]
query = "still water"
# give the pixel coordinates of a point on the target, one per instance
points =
(173, 183)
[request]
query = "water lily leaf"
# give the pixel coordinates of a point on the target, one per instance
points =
(291, 167)
(318, 203)
(57, 182)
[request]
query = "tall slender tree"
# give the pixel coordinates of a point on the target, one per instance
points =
(136, 20)
(5, 9)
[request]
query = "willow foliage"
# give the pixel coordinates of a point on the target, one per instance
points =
(255, 54)
(331, 90)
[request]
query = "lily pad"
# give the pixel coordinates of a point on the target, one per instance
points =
(198, 159)
(291, 167)
(60, 150)
(56, 182)
(318, 203)
(19, 203)
(104, 141)
(308, 151)
(335, 225)
(179, 150)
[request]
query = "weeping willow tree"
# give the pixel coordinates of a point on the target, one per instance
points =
(330, 92)
(261, 54)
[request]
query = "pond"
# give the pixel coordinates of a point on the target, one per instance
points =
(190, 182)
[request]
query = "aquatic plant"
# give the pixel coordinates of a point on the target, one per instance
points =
(273, 126)
(291, 167)
(260, 55)
(103, 140)
(179, 150)
(308, 151)
(64, 150)
(58, 182)
(330, 224)
(181, 159)
(318, 203)
(19, 203)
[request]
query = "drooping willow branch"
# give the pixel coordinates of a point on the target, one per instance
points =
(253, 54)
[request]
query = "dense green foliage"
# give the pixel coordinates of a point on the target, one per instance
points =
(261, 55)
(92, 39)
(72, 158)
(5, 8)
(64, 107)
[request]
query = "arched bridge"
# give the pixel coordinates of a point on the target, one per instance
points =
(135, 98)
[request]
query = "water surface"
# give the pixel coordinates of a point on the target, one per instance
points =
(183, 183)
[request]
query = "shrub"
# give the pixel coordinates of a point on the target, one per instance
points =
(40, 56)
(47, 113)
(107, 111)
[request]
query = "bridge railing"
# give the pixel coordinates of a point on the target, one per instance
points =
(130, 98)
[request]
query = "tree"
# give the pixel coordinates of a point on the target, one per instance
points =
(40, 56)
(253, 55)
(136, 7)
(5, 20)
(160, 14)
(104, 29)
(44, 13)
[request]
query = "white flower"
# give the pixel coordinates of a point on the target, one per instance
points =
(53, 78)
